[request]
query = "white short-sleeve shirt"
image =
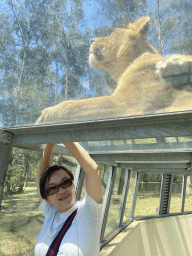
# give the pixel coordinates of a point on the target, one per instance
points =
(81, 239)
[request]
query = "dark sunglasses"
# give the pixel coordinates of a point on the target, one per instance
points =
(54, 189)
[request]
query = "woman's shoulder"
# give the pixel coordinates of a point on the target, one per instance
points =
(89, 206)
(47, 207)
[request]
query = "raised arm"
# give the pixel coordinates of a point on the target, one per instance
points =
(89, 166)
(44, 164)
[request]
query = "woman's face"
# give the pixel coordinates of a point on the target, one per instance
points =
(63, 199)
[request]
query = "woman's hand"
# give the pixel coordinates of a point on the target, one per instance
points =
(92, 179)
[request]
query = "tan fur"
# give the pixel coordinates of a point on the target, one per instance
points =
(131, 61)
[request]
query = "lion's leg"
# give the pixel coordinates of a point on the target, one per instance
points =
(84, 109)
(177, 71)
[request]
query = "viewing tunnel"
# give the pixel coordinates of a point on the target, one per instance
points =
(116, 77)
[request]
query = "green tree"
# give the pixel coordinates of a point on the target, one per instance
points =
(120, 12)
(70, 47)
(22, 168)
(171, 26)
(25, 71)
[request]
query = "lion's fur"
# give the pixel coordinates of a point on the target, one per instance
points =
(131, 61)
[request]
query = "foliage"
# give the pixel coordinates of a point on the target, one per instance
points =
(171, 26)
(121, 12)
(43, 57)
(23, 168)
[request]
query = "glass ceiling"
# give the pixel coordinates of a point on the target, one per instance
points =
(71, 60)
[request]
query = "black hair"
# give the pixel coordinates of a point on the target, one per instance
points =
(47, 174)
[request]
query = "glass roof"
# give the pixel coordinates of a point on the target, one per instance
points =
(66, 61)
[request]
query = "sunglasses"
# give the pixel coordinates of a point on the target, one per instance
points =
(54, 189)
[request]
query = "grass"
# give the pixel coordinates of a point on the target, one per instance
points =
(147, 205)
(20, 223)
(21, 220)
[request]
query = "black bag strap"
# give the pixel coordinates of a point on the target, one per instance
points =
(54, 247)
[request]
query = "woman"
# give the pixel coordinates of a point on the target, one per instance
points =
(56, 191)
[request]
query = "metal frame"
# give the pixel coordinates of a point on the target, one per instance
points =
(5, 154)
(183, 192)
(136, 187)
(107, 199)
(124, 197)
(79, 181)
(148, 126)
(159, 157)
(165, 196)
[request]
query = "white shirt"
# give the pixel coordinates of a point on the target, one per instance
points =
(81, 239)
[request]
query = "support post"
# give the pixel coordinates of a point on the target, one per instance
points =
(79, 181)
(124, 196)
(5, 154)
(165, 197)
(183, 192)
(136, 187)
(107, 199)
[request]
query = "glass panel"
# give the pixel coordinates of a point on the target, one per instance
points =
(188, 198)
(46, 50)
(113, 215)
(148, 194)
(175, 205)
(129, 197)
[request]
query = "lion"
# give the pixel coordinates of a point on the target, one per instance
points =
(143, 76)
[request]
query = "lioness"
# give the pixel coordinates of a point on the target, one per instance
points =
(131, 61)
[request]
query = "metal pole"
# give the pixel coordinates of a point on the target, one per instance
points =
(124, 197)
(135, 194)
(183, 192)
(79, 181)
(5, 154)
(107, 199)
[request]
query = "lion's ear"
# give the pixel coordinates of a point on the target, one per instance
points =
(140, 26)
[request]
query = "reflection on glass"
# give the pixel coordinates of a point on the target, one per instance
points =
(175, 205)
(188, 197)
(113, 215)
(129, 197)
(148, 195)
(45, 59)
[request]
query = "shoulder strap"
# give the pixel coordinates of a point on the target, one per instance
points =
(54, 247)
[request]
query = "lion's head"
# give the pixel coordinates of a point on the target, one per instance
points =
(115, 52)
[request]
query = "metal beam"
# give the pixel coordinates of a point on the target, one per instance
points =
(5, 137)
(146, 166)
(159, 125)
(164, 170)
(158, 157)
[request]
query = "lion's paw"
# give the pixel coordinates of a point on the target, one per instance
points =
(177, 71)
